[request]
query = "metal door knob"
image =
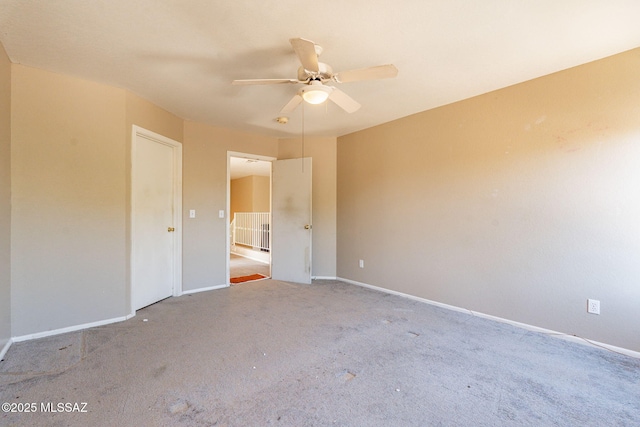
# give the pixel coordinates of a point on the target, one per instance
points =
(307, 227)
(171, 229)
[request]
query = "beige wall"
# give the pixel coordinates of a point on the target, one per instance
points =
(68, 201)
(70, 167)
(205, 190)
(70, 171)
(521, 203)
(143, 113)
(5, 198)
(241, 199)
(323, 151)
(204, 182)
(71, 163)
(261, 197)
(250, 194)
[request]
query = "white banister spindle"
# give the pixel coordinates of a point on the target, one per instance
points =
(233, 231)
(252, 229)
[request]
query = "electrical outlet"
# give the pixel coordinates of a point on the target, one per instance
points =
(593, 306)
(361, 263)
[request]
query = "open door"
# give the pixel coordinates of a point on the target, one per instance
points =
(291, 220)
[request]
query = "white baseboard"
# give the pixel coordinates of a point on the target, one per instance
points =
(572, 338)
(324, 278)
(71, 328)
(5, 348)
(88, 325)
(210, 288)
(262, 257)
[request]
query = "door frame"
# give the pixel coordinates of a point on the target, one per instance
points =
(139, 132)
(231, 154)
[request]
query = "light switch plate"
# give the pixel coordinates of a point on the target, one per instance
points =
(220, 214)
(192, 213)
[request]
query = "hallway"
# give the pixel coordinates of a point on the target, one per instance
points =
(240, 266)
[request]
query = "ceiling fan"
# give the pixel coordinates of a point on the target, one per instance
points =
(314, 74)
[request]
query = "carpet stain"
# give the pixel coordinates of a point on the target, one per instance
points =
(178, 407)
(346, 376)
(159, 371)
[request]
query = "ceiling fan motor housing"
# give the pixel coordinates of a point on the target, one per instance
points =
(325, 73)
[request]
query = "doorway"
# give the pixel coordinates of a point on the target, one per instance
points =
(249, 219)
(156, 220)
(290, 226)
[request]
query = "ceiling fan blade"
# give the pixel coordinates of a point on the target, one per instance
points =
(291, 105)
(306, 52)
(371, 73)
(263, 81)
(343, 100)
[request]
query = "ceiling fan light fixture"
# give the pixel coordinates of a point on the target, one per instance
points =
(316, 93)
(313, 74)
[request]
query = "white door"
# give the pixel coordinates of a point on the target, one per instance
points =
(291, 220)
(153, 220)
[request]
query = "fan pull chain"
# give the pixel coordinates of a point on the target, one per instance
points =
(303, 137)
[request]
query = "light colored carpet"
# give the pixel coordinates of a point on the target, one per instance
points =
(271, 353)
(240, 266)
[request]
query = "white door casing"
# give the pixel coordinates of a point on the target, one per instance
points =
(231, 154)
(291, 220)
(156, 219)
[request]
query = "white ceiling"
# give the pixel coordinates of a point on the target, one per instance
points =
(183, 55)
(241, 167)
